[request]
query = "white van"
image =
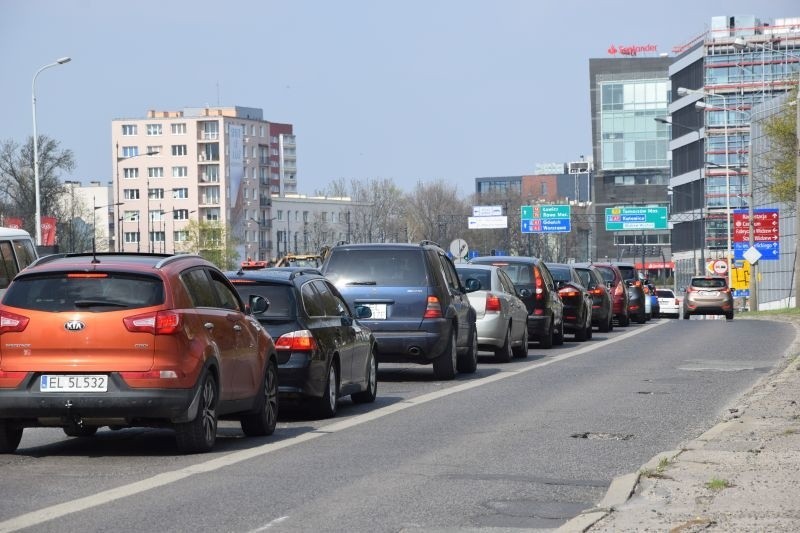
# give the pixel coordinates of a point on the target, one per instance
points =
(17, 251)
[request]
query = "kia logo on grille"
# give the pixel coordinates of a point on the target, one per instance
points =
(74, 325)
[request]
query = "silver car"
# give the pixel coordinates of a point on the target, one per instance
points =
(709, 295)
(501, 316)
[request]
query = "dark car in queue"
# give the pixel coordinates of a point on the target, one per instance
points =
(576, 298)
(536, 288)
(617, 290)
(602, 311)
(324, 352)
(637, 307)
(420, 310)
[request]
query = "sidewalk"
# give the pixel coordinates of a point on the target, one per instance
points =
(741, 475)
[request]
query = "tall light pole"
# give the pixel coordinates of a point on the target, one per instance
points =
(95, 207)
(682, 91)
(38, 215)
(119, 245)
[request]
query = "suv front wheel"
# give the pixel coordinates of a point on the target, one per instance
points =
(444, 366)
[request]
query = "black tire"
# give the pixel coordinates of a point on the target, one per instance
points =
(625, 320)
(444, 366)
(558, 336)
(642, 318)
(606, 326)
(546, 342)
(371, 392)
(80, 431)
(9, 437)
(589, 330)
(581, 333)
(325, 406)
(521, 351)
(729, 316)
(503, 354)
(467, 363)
(263, 420)
(686, 315)
(200, 435)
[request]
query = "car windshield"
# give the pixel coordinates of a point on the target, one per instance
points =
(607, 273)
(99, 292)
(665, 293)
(628, 273)
(560, 273)
(482, 275)
(520, 274)
(385, 268)
(709, 283)
(585, 275)
(280, 298)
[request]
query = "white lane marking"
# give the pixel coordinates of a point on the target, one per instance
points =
(269, 525)
(81, 504)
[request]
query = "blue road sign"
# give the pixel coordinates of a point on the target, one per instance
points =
(770, 251)
(546, 225)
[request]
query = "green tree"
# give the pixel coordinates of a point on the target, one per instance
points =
(211, 240)
(781, 130)
(17, 183)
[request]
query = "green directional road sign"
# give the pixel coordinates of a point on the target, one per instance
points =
(633, 218)
(545, 219)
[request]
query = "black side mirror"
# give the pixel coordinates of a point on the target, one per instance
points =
(362, 311)
(257, 304)
(472, 284)
(524, 293)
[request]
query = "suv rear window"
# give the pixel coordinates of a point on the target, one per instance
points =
(607, 273)
(97, 292)
(521, 274)
(628, 273)
(385, 268)
(709, 283)
(665, 293)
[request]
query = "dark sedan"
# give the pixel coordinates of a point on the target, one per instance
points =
(324, 353)
(577, 300)
(602, 306)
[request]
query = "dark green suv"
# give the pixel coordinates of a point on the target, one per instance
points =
(420, 310)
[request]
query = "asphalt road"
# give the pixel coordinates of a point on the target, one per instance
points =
(528, 444)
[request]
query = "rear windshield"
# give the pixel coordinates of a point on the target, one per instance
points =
(627, 272)
(280, 297)
(77, 292)
(585, 275)
(710, 283)
(520, 274)
(560, 273)
(482, 275)
(665, 293)
(385, 268)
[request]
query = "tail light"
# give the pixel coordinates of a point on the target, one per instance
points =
(433, 309)
(569, 292)
(158, 323)
(619, 290)
(539, 282)
(492, 303)
(596, 292)
(297, 341)
(10, 380)
(12, 322)
(637, 283)
(690, 289)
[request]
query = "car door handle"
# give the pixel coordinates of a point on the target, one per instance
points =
(208, 325)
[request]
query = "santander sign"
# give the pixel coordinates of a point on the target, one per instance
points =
(632, 50)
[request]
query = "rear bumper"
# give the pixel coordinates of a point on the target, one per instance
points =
(492, 330)
(27, 404)
(538, 327)
(412, 346)
(302, 376)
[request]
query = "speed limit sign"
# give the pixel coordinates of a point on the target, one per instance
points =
(720, 266)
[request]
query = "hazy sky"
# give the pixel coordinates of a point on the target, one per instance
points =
(412, 90)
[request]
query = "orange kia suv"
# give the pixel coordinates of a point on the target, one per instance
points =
(122, 340)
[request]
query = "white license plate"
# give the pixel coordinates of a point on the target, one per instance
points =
(73, 383)
(378, 311)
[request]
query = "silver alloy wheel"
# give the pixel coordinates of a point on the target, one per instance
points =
(332, 388)
(208, 412)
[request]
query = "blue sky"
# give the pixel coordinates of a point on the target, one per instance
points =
(411, 90)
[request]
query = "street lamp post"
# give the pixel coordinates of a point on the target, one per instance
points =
(682, 91)
(38, 214)
(118, 159)
(95, 207)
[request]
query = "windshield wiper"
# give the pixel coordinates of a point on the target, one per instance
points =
(97, 303)
(363, 283)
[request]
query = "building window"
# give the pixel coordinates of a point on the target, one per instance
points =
(131, 215)
(180, 235)
(130, 151)
(130, 173)
(156, 194)
(157, 236)
(179, 149)
(154, 150)
(180, 172)
(155, 172)
(179, 128)
(128, 129)
(132, 237)
(183, 192)
(180, 214)
(131, 194)
(156, 215)
(153, 129)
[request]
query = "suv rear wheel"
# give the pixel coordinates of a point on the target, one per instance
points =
(444, 366)
(262, 422)
(9, 437)
(200, 434)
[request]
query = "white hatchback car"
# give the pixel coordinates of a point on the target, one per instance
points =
(669, 303)
(501, 317)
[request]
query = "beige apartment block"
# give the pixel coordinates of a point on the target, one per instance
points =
(220, 164)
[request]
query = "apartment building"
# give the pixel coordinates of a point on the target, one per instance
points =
(220, 164)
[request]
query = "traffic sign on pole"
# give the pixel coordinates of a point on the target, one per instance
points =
(545, 219)
(636, 218)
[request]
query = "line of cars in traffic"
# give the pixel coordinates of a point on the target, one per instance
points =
(155, 340)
